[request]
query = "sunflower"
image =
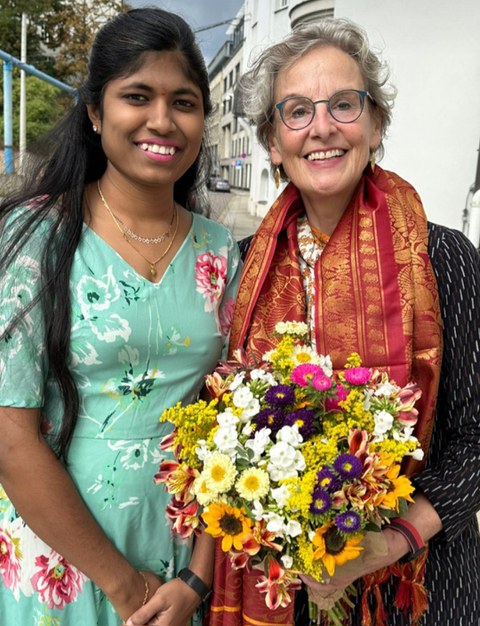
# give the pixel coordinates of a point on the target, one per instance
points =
(253, 484)
(334, 549)
(227, 522)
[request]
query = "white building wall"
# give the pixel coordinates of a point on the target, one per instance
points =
(264, 24)
(433, 49)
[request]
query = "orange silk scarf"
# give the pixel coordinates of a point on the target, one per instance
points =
(376, 294)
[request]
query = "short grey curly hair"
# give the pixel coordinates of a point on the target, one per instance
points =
(257, 85)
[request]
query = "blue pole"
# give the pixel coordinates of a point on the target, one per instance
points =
(7, 117)
(30, 69)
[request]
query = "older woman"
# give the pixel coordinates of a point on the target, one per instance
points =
(347, 248)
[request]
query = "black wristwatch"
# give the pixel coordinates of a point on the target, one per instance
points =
(195, 582)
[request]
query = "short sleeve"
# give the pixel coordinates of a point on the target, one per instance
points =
(22, 348)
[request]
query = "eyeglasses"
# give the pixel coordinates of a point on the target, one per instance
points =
(345, 106)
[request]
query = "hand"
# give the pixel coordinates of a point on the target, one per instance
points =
(380, 550)
(172, 604)
(131, 597)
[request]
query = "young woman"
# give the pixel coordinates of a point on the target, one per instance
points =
(116, 300)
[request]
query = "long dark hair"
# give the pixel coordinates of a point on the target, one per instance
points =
(77, 158)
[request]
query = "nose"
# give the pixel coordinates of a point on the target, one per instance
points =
(160, 119)
(323, 123)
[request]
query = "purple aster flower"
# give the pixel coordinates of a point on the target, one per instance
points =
(304, 373)
(348, 522)
(321, 382)
(304, 419)
(348, 466)
(358, 375)
(270, 418)
(321, 502)
(328, 480)
(280, 395)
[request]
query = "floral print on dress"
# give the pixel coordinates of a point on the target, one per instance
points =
(10, 561)
(135, 349)
(56, 582)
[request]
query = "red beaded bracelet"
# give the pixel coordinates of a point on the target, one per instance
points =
(411, 534)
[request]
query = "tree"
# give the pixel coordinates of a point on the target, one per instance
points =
(71, 30)
(11, 27)
(60, 34)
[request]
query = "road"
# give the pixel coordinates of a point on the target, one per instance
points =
(231, 209)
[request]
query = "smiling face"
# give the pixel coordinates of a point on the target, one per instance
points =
(326, 159)
(151, 122)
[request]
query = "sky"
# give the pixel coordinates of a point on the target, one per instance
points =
(200, 13)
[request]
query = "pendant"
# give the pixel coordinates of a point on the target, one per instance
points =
(153, 271)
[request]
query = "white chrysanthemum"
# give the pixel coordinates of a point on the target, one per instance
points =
(219, 472)
(203, 494)
(292, 328)
(253, 484)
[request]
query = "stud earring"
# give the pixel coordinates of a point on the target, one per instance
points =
(372, 160)
(277, 177)
(94, 128)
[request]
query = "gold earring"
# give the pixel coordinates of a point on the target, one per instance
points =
(372, 160)
(277, 177)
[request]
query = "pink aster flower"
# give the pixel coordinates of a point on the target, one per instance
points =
(303, 374)
(358, 375)
(332, 404)
(56, 581)
(321, 382)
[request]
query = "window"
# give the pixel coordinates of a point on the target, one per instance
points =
(281, 4)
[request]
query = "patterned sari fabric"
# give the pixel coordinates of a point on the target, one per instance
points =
(375, 294)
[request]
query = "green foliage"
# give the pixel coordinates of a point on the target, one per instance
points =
(59, 36)
(45, 106)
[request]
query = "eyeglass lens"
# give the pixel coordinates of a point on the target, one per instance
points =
(344, 106)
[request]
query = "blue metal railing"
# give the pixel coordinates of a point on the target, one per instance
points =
(9, 62)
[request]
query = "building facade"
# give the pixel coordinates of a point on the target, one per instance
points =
(433, 51)
(230, 137)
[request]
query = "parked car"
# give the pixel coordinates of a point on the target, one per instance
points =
(220, 184)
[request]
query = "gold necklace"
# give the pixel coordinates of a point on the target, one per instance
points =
(130, 233)
(153, 269)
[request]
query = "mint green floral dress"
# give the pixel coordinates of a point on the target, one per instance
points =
(136, 349)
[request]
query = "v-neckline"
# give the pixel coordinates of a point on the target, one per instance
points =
(87, 228)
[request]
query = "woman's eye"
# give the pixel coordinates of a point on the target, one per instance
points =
(135, 97)
(185, 104)
(299, 112)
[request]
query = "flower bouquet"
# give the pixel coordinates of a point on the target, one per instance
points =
(290, 464)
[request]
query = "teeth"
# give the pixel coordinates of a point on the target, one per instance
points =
(321, 156)
(156, 149)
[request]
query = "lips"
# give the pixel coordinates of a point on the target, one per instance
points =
(323, 155)
(158, 149)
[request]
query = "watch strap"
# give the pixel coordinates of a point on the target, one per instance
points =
(195, 582)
